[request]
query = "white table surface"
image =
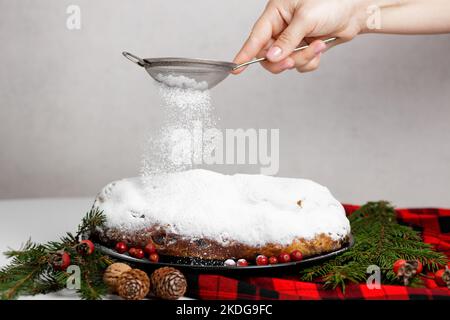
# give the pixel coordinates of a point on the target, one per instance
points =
(41, 220)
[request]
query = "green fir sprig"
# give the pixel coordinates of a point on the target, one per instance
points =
(379, 240)
(31, 272)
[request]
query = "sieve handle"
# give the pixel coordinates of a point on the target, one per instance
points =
(135, 59)
(264, 58)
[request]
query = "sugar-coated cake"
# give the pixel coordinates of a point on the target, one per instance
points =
(204, 214)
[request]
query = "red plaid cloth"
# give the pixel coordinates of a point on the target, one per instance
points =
(434, 225)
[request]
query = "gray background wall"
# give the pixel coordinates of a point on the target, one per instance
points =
(372, 123)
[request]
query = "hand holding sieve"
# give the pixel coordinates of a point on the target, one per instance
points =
(192, 73)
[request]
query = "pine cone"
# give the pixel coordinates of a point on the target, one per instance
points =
(112, 273)
(168, 283)
(133, 284)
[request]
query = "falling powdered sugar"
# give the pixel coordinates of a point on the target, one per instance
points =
(185, 108)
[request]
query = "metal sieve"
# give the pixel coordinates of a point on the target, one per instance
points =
(192, 73)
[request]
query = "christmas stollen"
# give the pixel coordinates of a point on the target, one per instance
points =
(204, 214)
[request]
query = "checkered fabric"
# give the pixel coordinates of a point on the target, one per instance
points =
(434, 225)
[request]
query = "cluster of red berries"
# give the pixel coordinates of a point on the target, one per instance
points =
(401, 264)
(139, 253)
(283, 257)
(405, 270)
(262, 260)
(60, 260)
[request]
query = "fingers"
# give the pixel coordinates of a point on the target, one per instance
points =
(288, 40)
(259, 37)
(312, 65)
(333, 43)
(305, 56)
(304, 61)
(277, 67)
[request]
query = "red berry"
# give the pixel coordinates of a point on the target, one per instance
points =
(132, 251)
(284, 257)
(442, 277)
(139, 253)
(273, 260)
(296, 255)
(242, 263)
(136, 253)
(262, 260)
(438, 278)
(121, 247)
(150, 248)
(401, 263)
(419, 267)
(397, 265)
(154, 257)
(85, 247)
(61, 260)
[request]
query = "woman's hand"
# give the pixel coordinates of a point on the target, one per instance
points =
(284, 24)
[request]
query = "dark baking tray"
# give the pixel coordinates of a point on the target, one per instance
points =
(217, 267)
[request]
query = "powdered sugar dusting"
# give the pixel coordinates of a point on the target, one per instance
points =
(171, 148)
(251, 209)
(181, 81)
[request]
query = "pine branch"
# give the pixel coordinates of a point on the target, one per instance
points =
(90, 222)
(92, 285)
(31, 272)
(49, 283)
(379, 240)
(27, 264)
